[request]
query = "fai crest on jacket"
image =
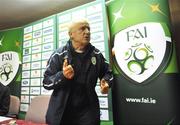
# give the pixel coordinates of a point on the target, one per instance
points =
(8, 67)
(142, 51)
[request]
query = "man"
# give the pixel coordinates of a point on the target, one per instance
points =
(4, 99)
(72, 72)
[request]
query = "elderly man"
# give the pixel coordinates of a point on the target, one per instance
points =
(72, 72)
(4, 99)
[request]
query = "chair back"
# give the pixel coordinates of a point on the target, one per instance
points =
(14, 106)
(37, 109)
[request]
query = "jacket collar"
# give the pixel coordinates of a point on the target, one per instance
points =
(89, 53)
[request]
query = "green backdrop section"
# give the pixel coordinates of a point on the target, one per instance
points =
(136, 99)
(11, 40)
(125, 13)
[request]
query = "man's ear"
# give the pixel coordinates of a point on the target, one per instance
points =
(70, 35)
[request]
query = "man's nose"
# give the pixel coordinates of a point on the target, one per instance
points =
(87, 31)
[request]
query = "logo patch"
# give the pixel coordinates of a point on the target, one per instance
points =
(142, 51)
(9, 66)
(93, 60)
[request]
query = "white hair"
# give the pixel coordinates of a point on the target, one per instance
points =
(75, 22)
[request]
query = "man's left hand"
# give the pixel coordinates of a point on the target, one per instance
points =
(104, 86)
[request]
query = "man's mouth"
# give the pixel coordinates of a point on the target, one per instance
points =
(87, 37)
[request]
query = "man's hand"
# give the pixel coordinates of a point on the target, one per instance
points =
(104, 86)
(68, 70)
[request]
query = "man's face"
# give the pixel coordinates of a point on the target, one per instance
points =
(81, 33)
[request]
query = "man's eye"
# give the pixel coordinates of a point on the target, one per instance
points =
(83, 28)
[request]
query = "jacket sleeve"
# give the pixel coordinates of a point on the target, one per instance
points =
(5, 102)
(105, 71)
(53, 76)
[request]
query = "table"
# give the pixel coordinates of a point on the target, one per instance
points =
(11, 121)
(2, 118)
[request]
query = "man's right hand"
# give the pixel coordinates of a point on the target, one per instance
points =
(68, 70)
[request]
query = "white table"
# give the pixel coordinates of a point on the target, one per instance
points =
(3, 118)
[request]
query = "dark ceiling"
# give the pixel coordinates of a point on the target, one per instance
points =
(16, 13)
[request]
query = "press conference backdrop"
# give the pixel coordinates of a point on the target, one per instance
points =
(39, 41)
(95, 13)
(42, 37)
(143, 55)
(10, 59)
(144, 62)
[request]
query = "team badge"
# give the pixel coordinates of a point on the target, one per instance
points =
(9, 66)
(93, 60)
(142, 51)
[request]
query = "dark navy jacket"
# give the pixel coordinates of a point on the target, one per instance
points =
(96, 67)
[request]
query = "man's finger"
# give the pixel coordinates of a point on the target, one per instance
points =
(104, 88)
(70, 75)
(106, 85)
(102, 82)
(68, 71)
(65, 64)
(105, 91)
(69, 67)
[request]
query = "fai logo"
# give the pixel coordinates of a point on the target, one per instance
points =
(142, 51)
(8, 67)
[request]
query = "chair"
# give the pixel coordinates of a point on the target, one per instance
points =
(14, 107)
(37, 109)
